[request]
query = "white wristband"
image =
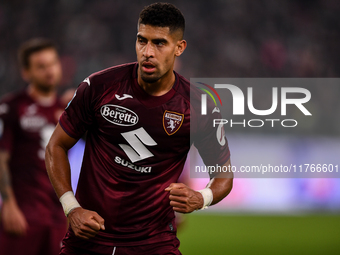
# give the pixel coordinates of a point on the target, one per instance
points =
(207, 197)
(69, 202)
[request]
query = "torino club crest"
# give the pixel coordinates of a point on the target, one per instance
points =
(172, 121)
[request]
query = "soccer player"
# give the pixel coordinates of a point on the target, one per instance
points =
(137, 117)
(32, 220)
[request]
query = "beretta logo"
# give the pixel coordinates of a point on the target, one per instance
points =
(119, 115)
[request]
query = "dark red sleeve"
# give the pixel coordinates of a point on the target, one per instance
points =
(7, 121)
(78, 115)
(210, 141)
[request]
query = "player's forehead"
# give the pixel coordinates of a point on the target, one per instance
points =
(43, 55)
(153, 32)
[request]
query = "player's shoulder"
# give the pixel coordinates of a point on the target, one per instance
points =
(111, 75)
(187, 90)
(14, 97)
(12, 100)
(193, 96)
(183, 87)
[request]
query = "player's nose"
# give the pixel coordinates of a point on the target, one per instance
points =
(148, 50)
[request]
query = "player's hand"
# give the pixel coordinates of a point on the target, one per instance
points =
(84, 223)
(183, 199)
(13, 220)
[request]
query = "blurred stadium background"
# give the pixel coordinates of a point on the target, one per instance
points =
(231, 38)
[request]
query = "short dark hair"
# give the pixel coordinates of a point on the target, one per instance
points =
(163, 15)
(31, 46)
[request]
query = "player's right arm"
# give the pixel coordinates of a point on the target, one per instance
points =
(84, 223)
(12, 218)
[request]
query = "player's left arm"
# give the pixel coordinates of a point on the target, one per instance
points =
(186, 200)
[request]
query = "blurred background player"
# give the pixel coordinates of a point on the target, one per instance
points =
(32, 220)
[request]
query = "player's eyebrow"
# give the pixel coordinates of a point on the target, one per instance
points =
(155, 41)
(159, 40)
(141, 37)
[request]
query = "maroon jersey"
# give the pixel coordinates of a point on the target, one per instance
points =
(25, 128)
(136, 146)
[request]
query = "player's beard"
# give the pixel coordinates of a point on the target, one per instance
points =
(44, 87)
(149, 78)
(47, 84)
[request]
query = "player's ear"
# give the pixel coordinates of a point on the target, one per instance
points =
(181, 45)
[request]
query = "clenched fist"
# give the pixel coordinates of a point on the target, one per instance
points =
(184, 199)
(84, 223)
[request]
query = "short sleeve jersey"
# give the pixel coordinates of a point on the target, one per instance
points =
(136, 147)
(25, 128)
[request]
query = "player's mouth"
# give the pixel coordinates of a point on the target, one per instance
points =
(148, 67)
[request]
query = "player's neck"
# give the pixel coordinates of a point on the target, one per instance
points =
(159, 88)
(44, 98)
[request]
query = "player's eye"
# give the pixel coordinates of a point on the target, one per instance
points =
(159, 43)
(141, 40)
